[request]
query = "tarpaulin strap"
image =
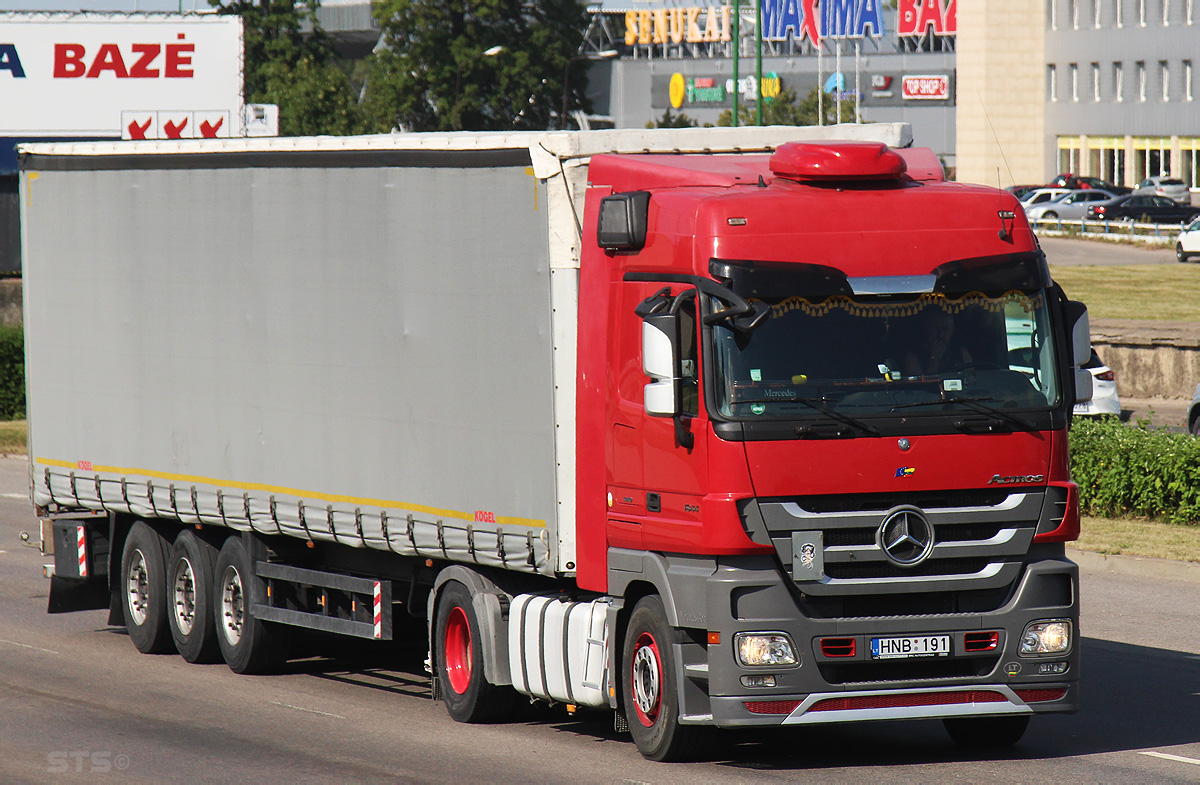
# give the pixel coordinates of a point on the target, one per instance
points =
(329, 521)
(358, 525)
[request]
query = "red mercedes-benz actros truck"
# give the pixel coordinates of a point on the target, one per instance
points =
(711, 428)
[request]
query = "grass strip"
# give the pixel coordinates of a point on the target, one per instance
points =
(13, 437)
(1135, 537)
(1155, 292)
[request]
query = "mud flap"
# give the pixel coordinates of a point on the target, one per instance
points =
(75, 594)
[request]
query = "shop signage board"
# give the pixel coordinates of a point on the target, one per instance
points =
(114, 75)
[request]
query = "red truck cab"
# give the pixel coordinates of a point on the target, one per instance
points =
(823, 398)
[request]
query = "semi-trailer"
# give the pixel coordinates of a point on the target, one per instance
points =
(711, 428)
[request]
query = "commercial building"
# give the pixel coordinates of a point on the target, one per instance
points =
(1104, 88)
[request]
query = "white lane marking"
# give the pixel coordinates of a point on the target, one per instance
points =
(15, 495)
(310, 711)
(27, 646)
(1168, 756)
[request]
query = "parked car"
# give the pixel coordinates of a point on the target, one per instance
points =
(1188, 244)
(1039, 195)
(1193, 414)
(1020, 190)
(1068, 180)
(1170, 187)
(1072, 205)
(1105, 399)
(1136, 207)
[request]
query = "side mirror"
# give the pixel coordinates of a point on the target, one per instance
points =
(660, 344)
(1081, 347)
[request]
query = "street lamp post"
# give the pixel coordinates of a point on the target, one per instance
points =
(607, 54)
(491, 51)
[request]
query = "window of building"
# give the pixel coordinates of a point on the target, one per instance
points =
(1187, 11)
(1096, 82)
(1052, 13)
(1119, 12)
(1073, 10)
(1141, 78)
(1187, 80)
(1074, 82)
(1097, 11)
(1052, 82)
(1142, 12)
(1118, 82)
(1166, 13)
(1164, 73)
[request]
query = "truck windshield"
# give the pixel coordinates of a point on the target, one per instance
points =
(856, 355)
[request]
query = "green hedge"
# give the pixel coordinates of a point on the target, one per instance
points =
(12, 373)
(1124, 470)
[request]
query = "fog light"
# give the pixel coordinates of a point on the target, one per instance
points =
(758, 681)
(1052, 668)
(765, 648)
(1046, 637)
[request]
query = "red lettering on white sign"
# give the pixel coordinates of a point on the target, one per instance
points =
(927, 88)
(71, 61)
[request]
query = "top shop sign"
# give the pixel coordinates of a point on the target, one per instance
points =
(80, 74)
(814, 20)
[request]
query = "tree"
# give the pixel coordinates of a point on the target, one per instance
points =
(784, 110)
(438, 69)
(293, 69)
(669, 120)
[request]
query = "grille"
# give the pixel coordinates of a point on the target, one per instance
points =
(929, 500)
(874, 672)
(945, 533)
(888, 570)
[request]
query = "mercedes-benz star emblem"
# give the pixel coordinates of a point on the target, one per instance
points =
(905, 537)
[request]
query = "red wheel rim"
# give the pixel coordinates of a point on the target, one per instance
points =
(645, 678)
(457, 650)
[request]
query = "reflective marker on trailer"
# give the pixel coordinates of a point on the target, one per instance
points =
(81, 536)
(378, 607)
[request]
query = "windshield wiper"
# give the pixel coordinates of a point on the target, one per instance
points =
(819, 405)
(975, 403)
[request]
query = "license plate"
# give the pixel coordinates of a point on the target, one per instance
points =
(917, 646)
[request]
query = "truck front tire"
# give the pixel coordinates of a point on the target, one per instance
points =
(144, 588)
(190, 598)
(468, 695)
(648, 682)
(248, 644)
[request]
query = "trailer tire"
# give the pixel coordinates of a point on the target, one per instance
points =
(648, 689)
(248, 644)
(190, 581)
(465, 690)
(986, 732)
(144, 589)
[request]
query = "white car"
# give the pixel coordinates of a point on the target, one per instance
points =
(1188, 243)
(1042, 195)
(1072, 205)
(1105, 399)
(1170, 187)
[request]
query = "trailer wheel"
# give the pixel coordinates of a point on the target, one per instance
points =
(648, 687)
(144, 589)
(986, 732)
(468, 695)
(190, 595)
(248, 644)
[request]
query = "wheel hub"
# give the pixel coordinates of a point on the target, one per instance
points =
(184, 596)
(233, 612)
(457, 650)
(647, 679)
(137, 581)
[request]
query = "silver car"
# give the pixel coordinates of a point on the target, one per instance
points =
(1169, 187)
(1071, 206)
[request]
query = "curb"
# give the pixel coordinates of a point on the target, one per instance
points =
(1138, 566)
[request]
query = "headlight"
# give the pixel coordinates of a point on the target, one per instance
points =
(765, 648)
(1046, 637)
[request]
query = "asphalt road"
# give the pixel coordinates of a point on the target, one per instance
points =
(77, 703)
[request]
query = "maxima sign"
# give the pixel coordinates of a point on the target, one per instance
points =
(112, 75)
